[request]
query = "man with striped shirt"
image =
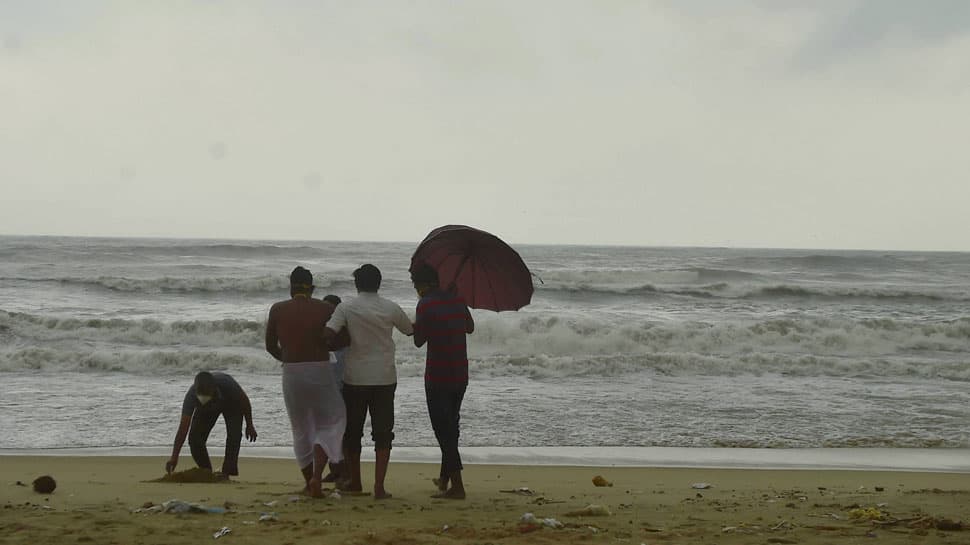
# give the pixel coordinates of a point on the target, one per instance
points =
(442, 320)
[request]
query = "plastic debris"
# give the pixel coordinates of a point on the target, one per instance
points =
(592, 510)
(521, 491)
(270, 503)
(529, 518)
(179, 507)
(702, 486)
(551, 523)
(225, 530)
(268, 517)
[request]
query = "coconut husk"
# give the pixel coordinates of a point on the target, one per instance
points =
(45, 484)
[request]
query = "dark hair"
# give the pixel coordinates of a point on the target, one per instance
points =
(301, 277)
(424, 274)
(332, 299)
(205, 384)
(367, 278)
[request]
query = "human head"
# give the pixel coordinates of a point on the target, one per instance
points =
(424, 277)
(332, 299)
(367, 278)
(301, 282)
(205, 387)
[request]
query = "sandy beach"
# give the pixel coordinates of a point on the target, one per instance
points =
(110, 500)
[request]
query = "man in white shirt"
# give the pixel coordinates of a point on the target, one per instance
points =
(370, 377)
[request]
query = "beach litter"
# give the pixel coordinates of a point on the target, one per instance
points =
(867, 513)
(592, 510)
(530, 518)
(702, 486)
(268, 517)
(44, 484)
(521, 491)
(600, 481)
(179, 507)
(224, 531)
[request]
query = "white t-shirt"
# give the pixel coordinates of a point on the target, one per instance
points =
(370, 319)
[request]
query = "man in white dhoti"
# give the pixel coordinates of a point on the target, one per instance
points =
(294, 336)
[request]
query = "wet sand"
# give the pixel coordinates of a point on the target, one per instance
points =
(97, 501)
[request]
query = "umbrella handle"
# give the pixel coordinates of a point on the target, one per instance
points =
(453, 288)
(537, 277)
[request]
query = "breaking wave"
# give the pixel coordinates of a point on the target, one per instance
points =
(524, 345)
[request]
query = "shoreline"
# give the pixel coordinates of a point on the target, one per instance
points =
(944, 460)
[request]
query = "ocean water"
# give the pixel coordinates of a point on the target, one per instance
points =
(621, 347)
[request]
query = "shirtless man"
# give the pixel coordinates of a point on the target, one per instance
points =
(294, 336)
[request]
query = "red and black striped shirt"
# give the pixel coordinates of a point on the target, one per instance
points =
(442, 320)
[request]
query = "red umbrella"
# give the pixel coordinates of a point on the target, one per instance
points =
(486, 272)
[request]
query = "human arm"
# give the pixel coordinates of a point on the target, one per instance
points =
(402, 322)
(335, 324)
(180, 436)
(272, 338)
(247, 410)
(419, 337)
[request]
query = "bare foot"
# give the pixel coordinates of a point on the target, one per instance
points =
(452, 494)
(381, 494)
(330, 477)
(441, 483)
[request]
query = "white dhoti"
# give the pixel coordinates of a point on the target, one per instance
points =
(316, 410)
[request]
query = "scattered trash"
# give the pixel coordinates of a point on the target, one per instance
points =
(521, 491)
(45, 484)
(445, 528)
(294, 499)
(20, 483)
(867, 513)
(552, 523)
(702, 486)
(178, 507)
(529, 518)
(600, 481)
(592, 510)
(270, 503)
(225, 530)
(335, 495)
(268, 517)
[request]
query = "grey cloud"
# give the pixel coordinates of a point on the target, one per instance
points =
(869, 25)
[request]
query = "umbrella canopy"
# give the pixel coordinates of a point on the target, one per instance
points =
(486, 272)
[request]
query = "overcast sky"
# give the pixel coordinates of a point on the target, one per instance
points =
(840, 124)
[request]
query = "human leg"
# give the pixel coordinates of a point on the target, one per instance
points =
(202, 423)
(382, 431)
(355, 401)
(234, 423)
(444, 409)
